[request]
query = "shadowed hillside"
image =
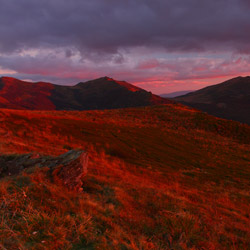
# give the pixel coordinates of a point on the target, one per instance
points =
(102, 93)
(230, 99)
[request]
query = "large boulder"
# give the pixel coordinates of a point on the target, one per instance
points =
(70, 168)
(67, 169)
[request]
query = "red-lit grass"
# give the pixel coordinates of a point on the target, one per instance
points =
(157, 179)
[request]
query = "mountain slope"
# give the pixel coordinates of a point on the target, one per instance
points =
(102, 93)
(162, 177)
(230, 99)
(16, 94)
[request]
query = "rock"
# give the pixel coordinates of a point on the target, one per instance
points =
(70, 169)
(67, 169)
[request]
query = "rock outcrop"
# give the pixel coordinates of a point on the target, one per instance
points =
(67, 169)
(70, 169)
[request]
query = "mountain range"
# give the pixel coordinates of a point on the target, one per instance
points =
(229, 100)
(102, 93)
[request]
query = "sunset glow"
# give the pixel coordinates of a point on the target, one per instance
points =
(133, 41)
(124, 125)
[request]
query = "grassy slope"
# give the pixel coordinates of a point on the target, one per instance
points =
(164, 177)
(229, 100)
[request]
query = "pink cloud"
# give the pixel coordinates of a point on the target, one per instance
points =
(148, 64)
(157, 74)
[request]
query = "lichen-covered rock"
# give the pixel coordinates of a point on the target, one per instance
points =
(67, 169)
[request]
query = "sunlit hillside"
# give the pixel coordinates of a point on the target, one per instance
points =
(162, 177)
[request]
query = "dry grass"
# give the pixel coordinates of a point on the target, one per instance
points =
(157, 179)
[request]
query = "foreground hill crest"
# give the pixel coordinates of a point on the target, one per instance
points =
(102, 93)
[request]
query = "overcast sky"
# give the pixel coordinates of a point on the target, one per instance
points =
(159, 45)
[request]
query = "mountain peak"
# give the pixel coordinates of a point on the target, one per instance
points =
(9, 79)
(104, 81)
(102, 93)
(242, 77)
(104, 78)
(108, 78)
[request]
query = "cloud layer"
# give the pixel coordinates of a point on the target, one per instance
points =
(136, 40)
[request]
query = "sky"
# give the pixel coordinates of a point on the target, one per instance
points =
(159, 45)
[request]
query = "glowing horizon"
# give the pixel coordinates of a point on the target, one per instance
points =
(161, 46)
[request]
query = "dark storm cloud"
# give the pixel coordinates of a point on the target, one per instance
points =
(105, 26)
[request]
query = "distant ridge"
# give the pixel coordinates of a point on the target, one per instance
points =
(229, 100)
(102, 93)
(175, 94)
